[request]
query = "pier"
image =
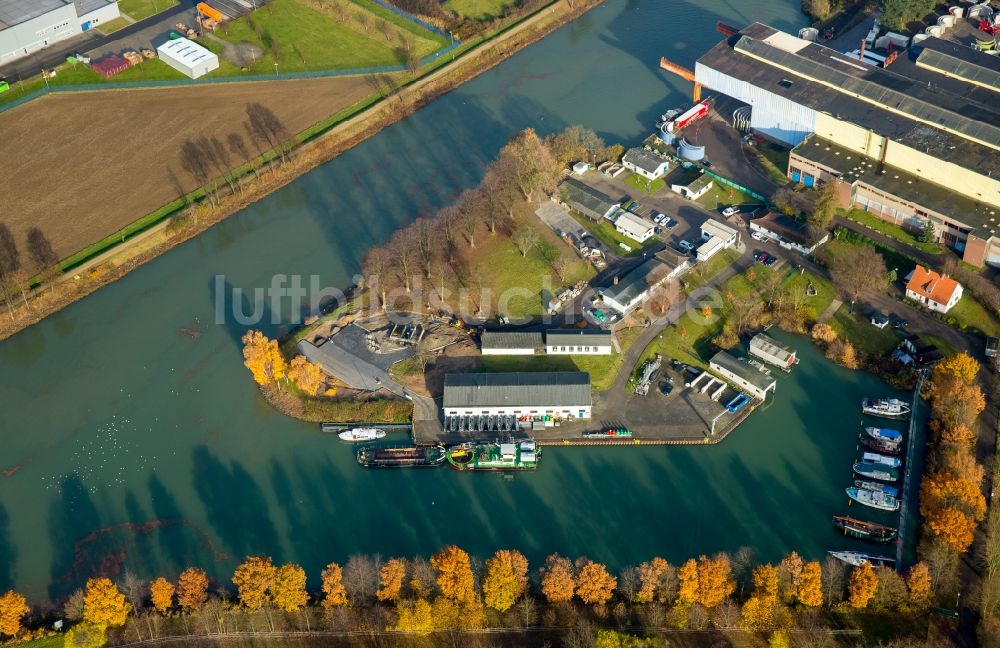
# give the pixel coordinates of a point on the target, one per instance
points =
(907, 474)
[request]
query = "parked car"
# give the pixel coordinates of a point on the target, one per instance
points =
(730, 211)
(670, 223)
(666, 388)
(630, 205)
(761, 257)
(770, 260)
(687, 246)
(598, 315)
(757, 236)
(879, 320)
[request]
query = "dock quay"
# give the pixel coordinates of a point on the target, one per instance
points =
(911, 448)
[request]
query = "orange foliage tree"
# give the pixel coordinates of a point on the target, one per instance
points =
(954, 527)
(594, 585)
(263, 358)
(862, 586)
(308, 376)
(961, 367)
(12, 610)
(791, 567)
(192, 589)
(253, 579)
(454, 574)
(391, 577)
(505, 579)
(688, 577)
(759, 610)
(289, 588)
(918, 582)
(334, 592)
(942, 489)
(649, 579)
(558, 579)
(161, 594)
(715, 580)
(103, 604)
(811, 585)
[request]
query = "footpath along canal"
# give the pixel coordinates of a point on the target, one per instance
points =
(137, 446)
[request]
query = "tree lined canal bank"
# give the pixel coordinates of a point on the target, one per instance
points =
(161, 454)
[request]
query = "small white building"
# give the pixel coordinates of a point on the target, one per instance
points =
(27, 26)
(773, 352)
(715, 237)
(936, 292)
(510, 343)
(742, 374)
(563, 395)
(636, 228)
(188, 57)
(646, 163)
(578, 342)
(694, 189)
(789, 233)
(582, 167)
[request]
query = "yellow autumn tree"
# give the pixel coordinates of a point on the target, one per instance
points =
(862, 586)
(192, 589)
(505, 579)
(454, 570)
(960, 435)
(688, 577)
(918, 584)
(103, 604)
(594, 585)
(414, 616)
(715, 580)
(332, 580)
(960, 366)
(759, 610)
(161, 594)
(942, 489)
(12, 609)
(289, 588)
(791, 567)
(391, 578)
(263, 358)
(308, 376)
(649, 579)
(954, 527)
(85, 635)
(253, 579)
(558, 579)
(811, 585)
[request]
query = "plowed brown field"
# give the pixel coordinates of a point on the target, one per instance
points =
(82, 165)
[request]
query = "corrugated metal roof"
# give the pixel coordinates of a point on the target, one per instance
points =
(947, 64)
(771, 348)
(743, 370)
(511, 340)
(185, 51)
(577, 337)
(558, 389)
(645, 160)
(580, 194)
(15, 12)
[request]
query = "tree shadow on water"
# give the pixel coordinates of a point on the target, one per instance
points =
(72, 517)
(177, 544)
(234, 505)
(7, 552)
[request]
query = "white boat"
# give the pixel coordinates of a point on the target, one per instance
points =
(877, 486)
(885, 407)
(875, 499)
(885, 435)
(874, 457)
(858, 558)
(355, 435)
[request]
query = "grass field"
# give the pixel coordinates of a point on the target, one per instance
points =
(299, 37)
(968, 313)
(75, 212)
(722, 196)
(858, 330)
(602, 369)
(704, 271)
(139, 9)
(479, 9)
(645, 185)
(891, 230)
(606, 233)
(112, 26)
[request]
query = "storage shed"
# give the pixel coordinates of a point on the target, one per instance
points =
(773, 352)
(188, 57)
(742, 374)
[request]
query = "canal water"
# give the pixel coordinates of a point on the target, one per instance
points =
(140, 446)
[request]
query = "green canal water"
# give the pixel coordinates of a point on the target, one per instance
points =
(141, 447)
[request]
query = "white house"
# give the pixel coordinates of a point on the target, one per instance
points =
(578, 342)
(563, 395)
(715, 237)
(742, 374)
(646, 163)
(695, 188)
(635, 286)
(636, 228)
(188, 57)
(937, 292)
(788, 232)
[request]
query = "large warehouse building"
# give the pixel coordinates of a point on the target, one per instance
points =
(563, 395)
(916, 141)
(27, 26)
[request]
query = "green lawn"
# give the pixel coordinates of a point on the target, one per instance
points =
(645, 185)
(891, 230)
(970, 314)
(772, 160)
(858, 330)
(605, 232)
(299, 38)
(517, 283)
(721, 196)
(479, 9)
(55, 641)
(702, 272)
(826, 292)
(112, 26)
(602, 368)
(139, 9)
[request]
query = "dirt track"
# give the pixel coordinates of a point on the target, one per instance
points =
(83, 165)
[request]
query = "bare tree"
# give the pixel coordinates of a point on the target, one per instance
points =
(44, 259)
(376, 267)
(361, 574)
(525, 238)
(425, 236)
(10, 267)
(532, 164)
(403, 246)
(266, 128)
(834, 572)
(468, 221)
(857, 268)
(238, 147)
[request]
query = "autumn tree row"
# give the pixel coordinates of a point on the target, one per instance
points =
(264, 359)
(453, 590)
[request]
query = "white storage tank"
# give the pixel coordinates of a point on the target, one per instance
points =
(958, 12)
(809, 34)
(946, 21)
(934, 30)
(919, 38)
(690, 151)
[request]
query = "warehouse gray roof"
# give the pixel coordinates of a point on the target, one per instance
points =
(84, 7)
(15, 12)
(645, 160)
(635, 281)
(725, 58)
(577, 337)
(853, 166)
(580, 194)
(770, 347)
(511, 340)
(558, 388)
(744, 370)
